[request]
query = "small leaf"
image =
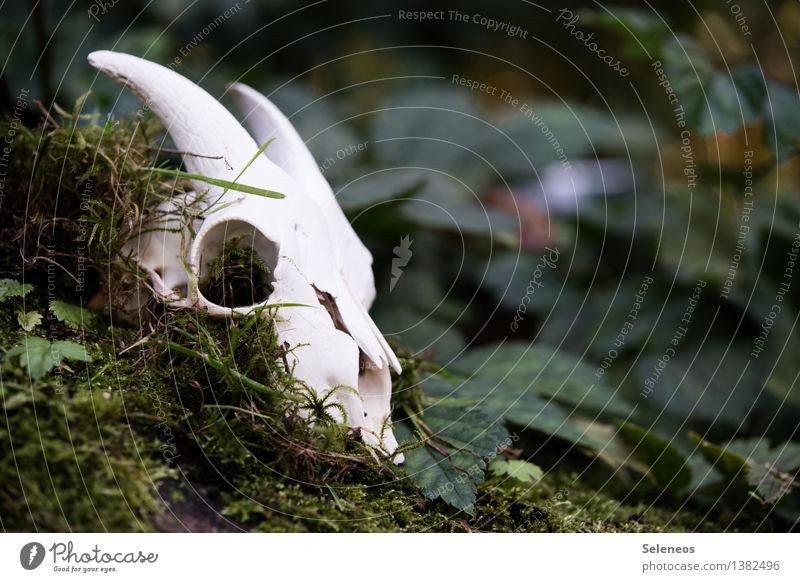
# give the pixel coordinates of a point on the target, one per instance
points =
(11, 288)
(745, 475)
(770, 485)
(446, 478)
(39, 356)
(450, 461)
(73, 316)
(34, 354)
(523, 471)
(783, 456)
(67, 350)
(29, 320)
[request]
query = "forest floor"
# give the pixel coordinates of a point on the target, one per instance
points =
(147, 419)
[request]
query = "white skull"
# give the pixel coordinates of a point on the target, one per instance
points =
(315, 257)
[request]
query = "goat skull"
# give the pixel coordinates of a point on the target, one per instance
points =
(315, 257)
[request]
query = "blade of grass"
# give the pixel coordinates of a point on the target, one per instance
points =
(259, 151)
(227, 371)
(254, 158)
(228, 185)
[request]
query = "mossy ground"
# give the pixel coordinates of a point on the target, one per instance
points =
(180, 421)
(141, 442)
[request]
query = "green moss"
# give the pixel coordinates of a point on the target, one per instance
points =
(81, 187)
(238, 277)
(70, 462)
(278, 505)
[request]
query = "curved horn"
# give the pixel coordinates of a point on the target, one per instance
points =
(197, 122)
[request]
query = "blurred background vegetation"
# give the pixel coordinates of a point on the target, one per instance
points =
(537, 228)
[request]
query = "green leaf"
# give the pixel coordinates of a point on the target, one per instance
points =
(751, 88)
(67, 350)
(642, 31)
(714, 100)
(605, 443)
(443, 204)
(450, 459)
(724, 105)
(29, 320)
(11, 288)
(463, 218)
(513, 389)
(39, 356)
(34, 354)
(730, 465)
(523, 471)
(370, 189)
(666, 466)
(698, 238)
(509, 273)
(770, 485)
(689, 71)
(73, 316)
(536, 388)
(711, 384)
(520, 144)
(717, 100)
(746, 475)
(512, 369)
(409, 129)
(783, 456)
(515, 404)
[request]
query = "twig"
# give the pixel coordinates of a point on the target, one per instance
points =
(194, 155)
(137, 343)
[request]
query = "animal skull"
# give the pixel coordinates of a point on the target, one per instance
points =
(315, 257)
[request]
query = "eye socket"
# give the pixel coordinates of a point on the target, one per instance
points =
(237, 265)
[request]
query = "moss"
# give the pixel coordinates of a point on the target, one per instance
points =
(74, 193)
(277, 505)
(238, 277)
(69, 461)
